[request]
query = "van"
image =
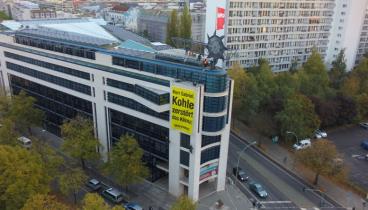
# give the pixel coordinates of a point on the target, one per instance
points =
(113, 195)
(302, 144)
(25, 142)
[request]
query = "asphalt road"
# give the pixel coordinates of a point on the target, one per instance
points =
(284, 190)
(347, 141)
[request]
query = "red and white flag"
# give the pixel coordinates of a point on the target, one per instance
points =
(220, 20)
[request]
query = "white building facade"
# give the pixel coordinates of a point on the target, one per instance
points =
(179, 113)
(285, 31)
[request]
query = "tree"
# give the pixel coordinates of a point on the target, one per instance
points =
(4, 16)
(172, 27)
(184, 203)
(327, 111)
(71, 181)
(314, 80)
(320, 157)
(347, 109)
(265, 81)
(80, 142)
(93, 201)
(44, 202)
(5, 103)
(125, 163)
(246, 100)
(298, 116)
(22, 175)
(338, 70)
(186, 24)
(23, 112)
(8, 134)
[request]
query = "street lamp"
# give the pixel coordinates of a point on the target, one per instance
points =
(246, 147)
(292, 133)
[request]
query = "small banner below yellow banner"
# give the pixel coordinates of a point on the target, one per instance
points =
(182, 109)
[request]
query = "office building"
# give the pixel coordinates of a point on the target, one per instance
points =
(178, 110)
(25, 10)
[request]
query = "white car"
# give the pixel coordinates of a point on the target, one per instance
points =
(364, 125)
(25, 142)
(318, 134)
(305, 143)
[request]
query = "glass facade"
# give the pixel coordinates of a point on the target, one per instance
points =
(57, 106)
(184, 158)
(132, 104)
(50, 66)
(214, 104)
(184, 140)
(159, 99)
(92, 65)
(210, 154)
(213, 124)
(50, 78)
(214, 80)
(56, 46)
(207, 140)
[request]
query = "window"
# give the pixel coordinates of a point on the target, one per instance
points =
(184, 158)
(214, 104)
(213, 124)
(210, 154)
(185, 141)
(206, 140)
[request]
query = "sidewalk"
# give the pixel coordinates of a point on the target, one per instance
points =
(284, 157)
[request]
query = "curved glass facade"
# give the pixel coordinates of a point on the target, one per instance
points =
(210, 154)
(213, 124)
(214, 104)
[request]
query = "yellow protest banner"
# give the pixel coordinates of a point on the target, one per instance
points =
(182, 109)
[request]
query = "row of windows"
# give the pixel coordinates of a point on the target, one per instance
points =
(49, 78)
(213, 82)
(92, 65)
(52, 94)
(185, 140)
(132, 104)
(50, 66)
(141, 91)
(213, 124)
(147, 128)
(184, 158)
(56, 111)
(55, 46)
(148, 144)
(210, 154)
(214, 104)
(207, 140)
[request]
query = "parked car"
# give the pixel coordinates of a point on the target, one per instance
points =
(318, 134)
(364, 125)
(25, 142)
(132, 206)
(94, 184)
(113, 195)
(258, 190)
(364, 144)
(302, 144)
(240, 174)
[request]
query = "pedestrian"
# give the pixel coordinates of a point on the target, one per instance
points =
(285, 159)
(150, 208)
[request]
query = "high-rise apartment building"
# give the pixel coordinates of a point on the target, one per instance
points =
(363, 41)
(285, 31)
(178, 110)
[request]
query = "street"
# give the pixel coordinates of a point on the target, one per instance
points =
(284, 190)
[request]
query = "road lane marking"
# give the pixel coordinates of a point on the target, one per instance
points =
(278, 202)
(278, 167)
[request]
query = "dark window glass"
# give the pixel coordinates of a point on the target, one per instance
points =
(184, 158)
(47, 65)
(214, 104)
(213, 124)
(132, 104)
(56, 105)
(184, 140)
(50, 78)
(206, 140)
(210, 154)
(57, 47)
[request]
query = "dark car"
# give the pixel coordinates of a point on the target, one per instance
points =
(132, 206)
(258, 190)
(364, 144)
(240, 174)
(94, 184)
